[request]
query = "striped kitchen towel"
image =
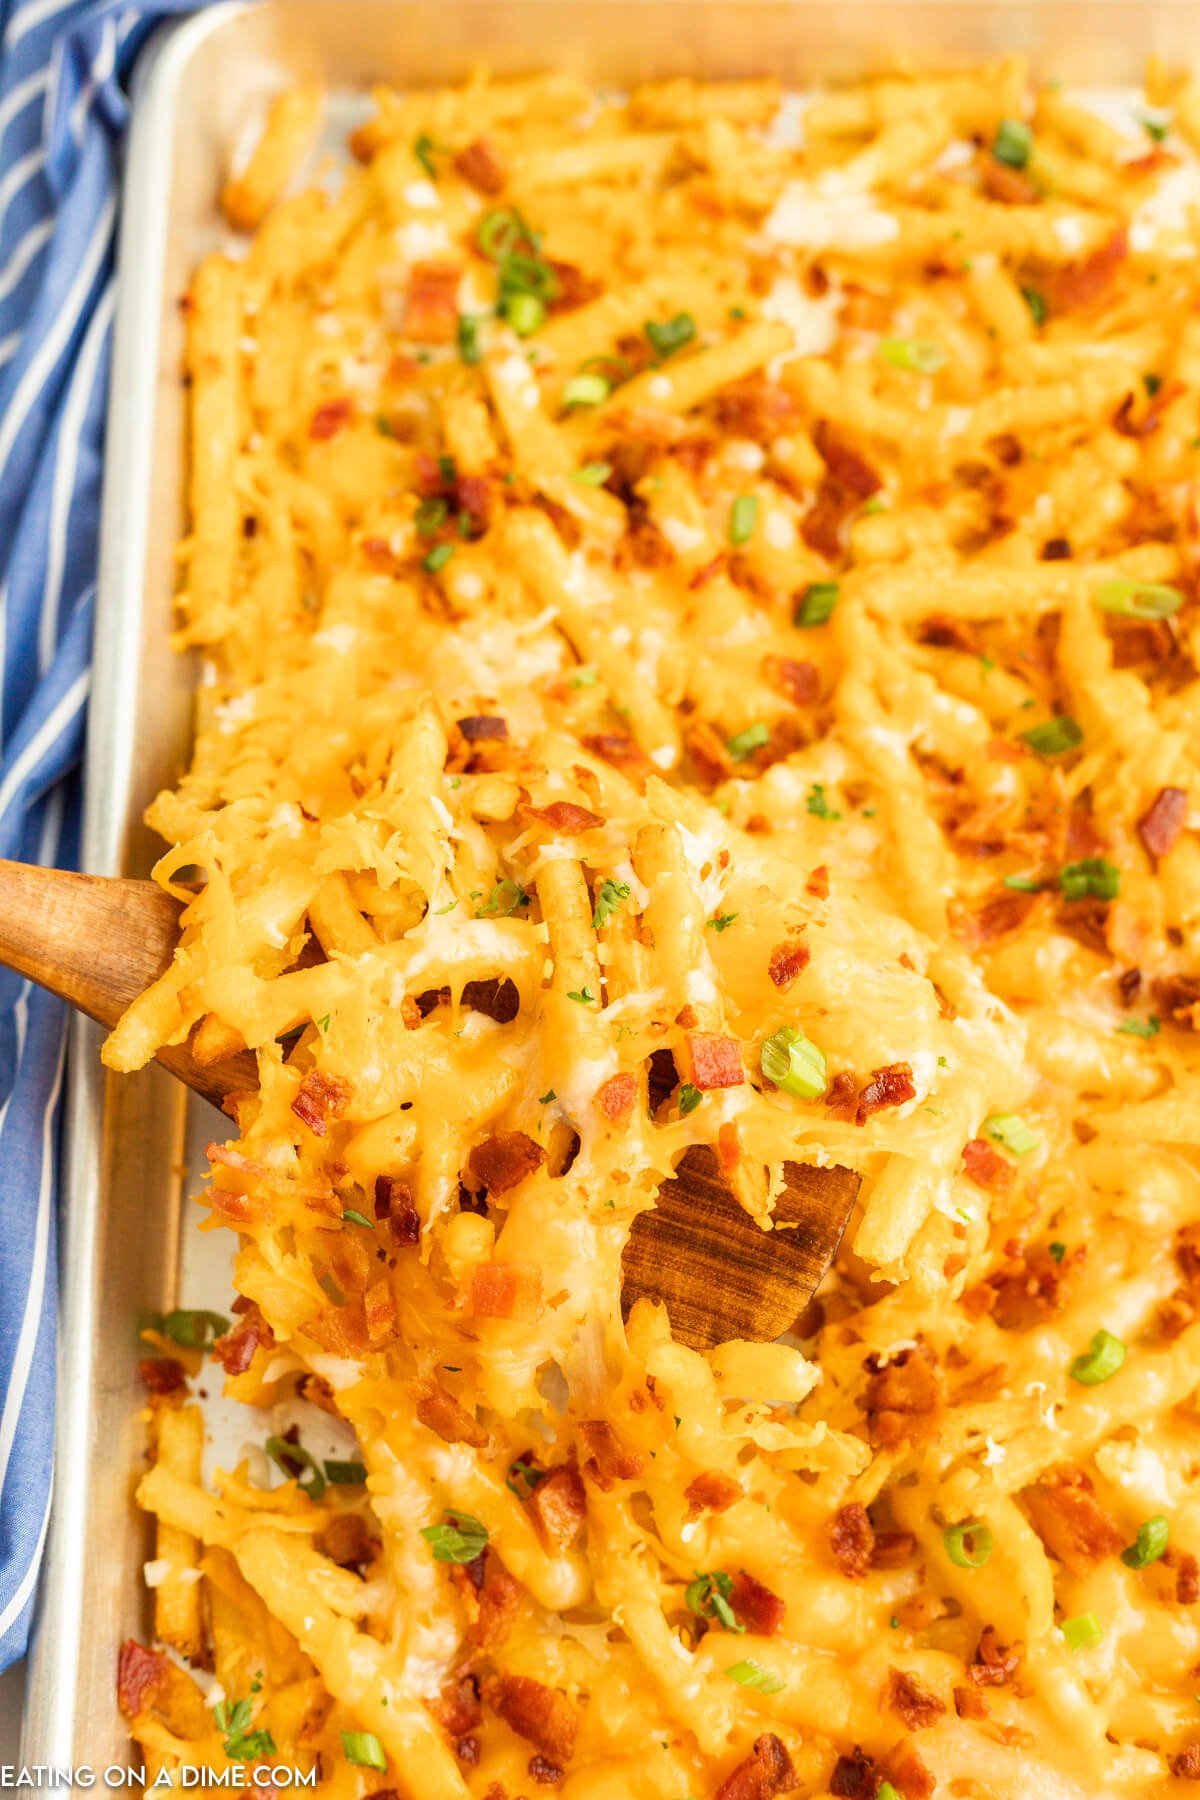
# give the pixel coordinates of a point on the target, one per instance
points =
(63, 111)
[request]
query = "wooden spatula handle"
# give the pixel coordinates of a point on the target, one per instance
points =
(94, 942)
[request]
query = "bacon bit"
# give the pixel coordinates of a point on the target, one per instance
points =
(845, 464)
(893, 1549)
(818, 882)
(711, 1061)
(757, 409)
(1187, 1255)
(347, 1542)
(1186, 1765)
(235, 1351)
(759, 1610)
(316, 1390)
(330, 418)
(505, 1291)
(380, 555)
(1027, 1289)
(1179, 998)
(504, 1160)
(889, 1086)
(766, 1772)
(986, 1167)
(852, 1539)
(1004, 913)
(319, 1099)
(475, 494)
(907, 1772)
(540, 1714)
(483, 166)
(499, 1602)
(619, 750)
(995, 1663)
(711, 1491)
(842, 1097)
(948, 633)
(394, 1202)
(1151, 419)
(787, 962)
(457, 1708)
(821, 526)
(799, 682)
(1080, 284)
(140, 1673)
(575, 288)
(1148, 642)
(615, 1098)
(496, 999)
(608, 1459)
(854, 1777)
(431, 316)
(902, 1397)
(729, 1148)
(915, 1705)
(479, 726)
(1187, 1579)
(564, 817)
(709, 570)
(1070, 1521)
(969, 1703)
(1160, 826)
(342, 1330)
(162, 1374)
(1011, 187)
(379, 1313)
(441, 1413)
(559, 1507)
(707, 751)
(1056, 549)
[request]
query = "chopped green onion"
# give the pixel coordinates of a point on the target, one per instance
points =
(429, 515)
(708, 1598)
(1102, 1359)
(1138, 599)
(584, 997)
(523, 1476)
(292, 1460)
(1057, 1250)
(1142, 1028)
(1151, 383)
(1149, 1545)
(745, 743)
(586, 390)
(1023, 884)
(438, 557)
(1010, 1130)
(423, 150)
(794, 1063)
(608, 897)
(242, 1745)
(365, 1749)
(593, 474)
(1094, 876)
(743, 516)
(504, 900)
(1083, 1632)
(1013, 143)
(525, 313)
(689, 1098)
(460, 1540)
(469, 348)
(968, 1545)
(749, 1673)
(671, 335)
(722, 922)
(353, 1217)
(816, 603)
(193, 1330)
(921, 355)
(547, 1097)
(1155, 129)
(885, 1791)
(345, 1474)
(816, 803)
(1036, 302)
(322, 1024)
(1053, 736)
(500, 231)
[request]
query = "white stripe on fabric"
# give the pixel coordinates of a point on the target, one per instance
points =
(24, 1593)
(28, 18)
(22, 171)
(23, 255)
(79, 396)
(20, 96)
(55, 340)
(43, 739)
(9, 347)
(101, 70)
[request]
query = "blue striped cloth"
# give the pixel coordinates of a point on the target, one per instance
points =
(63, 113)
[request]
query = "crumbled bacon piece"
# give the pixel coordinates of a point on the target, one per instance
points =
(854, 1777)
(536, 1712)
(711, 1061)
(504, 1291)
(708, 571)
(616, 1097)
(707, 750)
(1070, 1521)
(1186, 1765)
(1011, 187)
(330, 418)
(1026, 1289)
(1080, 284)
(800, 681)
(140, 1673)
(483, 166)
(499, 1597)
(504, 1160)
(889, 1086)
(347, 1542)
(431, 315)
(440, 1411)
(907, 1772)
(757, 409)
(915, 1705)
(1179, 998)
(766, 1772)
(162, 1375)
(948, 633)
(564, 817)
(711, 1491)
(1161, 824)
(852, 1538)
(986, 1167)
(619, 749)
(994, 1664)
(394, 1202)
(845, 464)
(559, 1507)
(893, 1549)
(235, 1351)
(457, 1709)
(574, 287)
(319, 1099)
(1003, 913)
(818, 882)
(1187, 1579)
(1151, 418)
(608, 1459)
(787, 962)
(901, 1397)
(342, 1330)
(969, 1703)
(477, 727)
(379, 1313)
(758, 1609)
(474, 495)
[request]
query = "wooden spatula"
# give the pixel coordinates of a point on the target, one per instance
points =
(99, 943)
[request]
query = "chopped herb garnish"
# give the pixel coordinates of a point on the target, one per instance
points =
(1013, 143)
(609, 896)
(241, 1745)
(1155, 129)
(743, 516)
(345, 1474)
(525, 313)
(460, 1540)
(816, 604)
(586, 390)
(1142, 1028)
(885, 1791)
(423, 149)
(584, 997)
(1053, 736)
(365, 1749)
(443, 910)
(1138, 599)
(920, 355)
(469, 348)
(744, 743)
(1011, 1130)
(1083, 1632)
(1102, 1359)
(352, 1216)
(584, 678)
(721, 922)
(523, 1476)
(1149, 1545)
(384, 426)
(1151, 383)
(430, 515)
(689, 1098)
(671, 335)
(593, 474)
(968, 1545)
(1094, 876)
(749, 1673)
(1036, 302)
(1057, 1250)
(506, 898)
(793, 1063)
(1024, 884)
(438, 557)
(193, 1330)
(816, 803)
(708, 1597)
(547, 1097)
(296, 1463)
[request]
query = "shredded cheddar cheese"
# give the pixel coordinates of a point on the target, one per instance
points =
(699, 605)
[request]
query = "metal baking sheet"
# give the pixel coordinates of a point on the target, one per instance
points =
(201, 87)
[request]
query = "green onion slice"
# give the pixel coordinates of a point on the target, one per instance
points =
(1053, 736)
(794, 1063)
(352, 1216)
(365, 1749)
(469, 349)
(500, 231)
(671, 335)
(459, 1540)
(593, 474)
(1103, 1357)
(1083, 1632)
(743, 516)
(1149, 1544)
(587, 390)
(1013, 143)
(345, 1474)
(968, 1545)
(438, 557)
(1010, 1130)
(1094, 876)
(194, 1330)
(745, 743)
(296, 1463)
(1142, 1028)
(816, 604)
(749, 1673)
(1138, 599)
(708, 1597)
(689, 1098)
(920, 355)
(1036, 302)
(525, 313)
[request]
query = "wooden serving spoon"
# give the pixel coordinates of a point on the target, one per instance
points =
(99, 943)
